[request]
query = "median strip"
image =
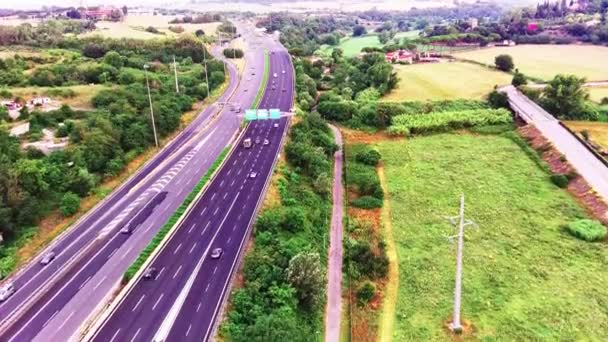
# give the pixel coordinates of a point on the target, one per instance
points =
(145, 254)
(262, 89)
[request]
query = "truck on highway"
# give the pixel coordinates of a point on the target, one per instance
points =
(247, 143)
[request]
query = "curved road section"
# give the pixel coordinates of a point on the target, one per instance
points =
(185, 299)
(585, 163)
(52, 301)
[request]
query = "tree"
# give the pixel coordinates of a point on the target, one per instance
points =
(125, 10)
(4, 114)
(366, 292)
(70, 202)
(359, 31)
(565, 97)
(519, 79)
(307, 277)
(199, 33)
(504, 63)
(114, 59)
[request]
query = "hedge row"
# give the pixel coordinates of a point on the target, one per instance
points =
(145, 254)
(446, 121)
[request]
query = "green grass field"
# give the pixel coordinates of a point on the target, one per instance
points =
(134, 27)
(441, 81)
(353, 45)
(597, 94)
(525, 278)
(546, 61)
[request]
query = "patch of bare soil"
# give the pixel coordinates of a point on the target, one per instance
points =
(578, 186)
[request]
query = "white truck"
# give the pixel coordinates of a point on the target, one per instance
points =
(247, 143)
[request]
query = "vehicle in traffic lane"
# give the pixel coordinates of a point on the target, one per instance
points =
(253, 174)
(47, 258)
(247, 143)
(266, 142)
(7, 291)
(216, 253)
(150, 273)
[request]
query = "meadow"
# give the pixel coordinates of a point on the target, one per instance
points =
(598, 131)
(445, 81)
(525, 278)
(546, 61)
(598, 93)
(134, 27)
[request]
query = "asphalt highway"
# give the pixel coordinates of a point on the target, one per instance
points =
(51, 302)
(184, 300)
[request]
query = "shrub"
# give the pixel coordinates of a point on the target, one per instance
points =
(366, 292)
(588, 230)
(519, 79)
(497, 99)
(367, 202)
(504, 62)
(70, 202)
(560, 180)
(233, 53)
(585, 134)
(370, 157)
(604, 100)
(446, 121)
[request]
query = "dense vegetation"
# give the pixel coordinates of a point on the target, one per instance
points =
(101, 141)
(284, 290)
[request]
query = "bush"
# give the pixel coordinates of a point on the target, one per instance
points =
(588, 230)
(504, 62)
(604, 101)
(366, 292)
(497, 99)
(560, 180)
(370, 157)
(367, 202)
(446, 121)
(70, 202)
(233, 53)
(519, 79)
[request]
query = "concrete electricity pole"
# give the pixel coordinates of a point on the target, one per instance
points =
(151, 109)
(462, 223)
(175, 71)
(205, 61)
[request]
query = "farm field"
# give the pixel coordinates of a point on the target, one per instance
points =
(443, 81)
(134, 27)
(81, 99)
(546, 61)
(598, 131)
(353, 45)
(525, 278)
(597, 94)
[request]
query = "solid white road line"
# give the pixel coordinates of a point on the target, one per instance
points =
(48, 320)
(84, 282)
(158, 300)
(138, 302)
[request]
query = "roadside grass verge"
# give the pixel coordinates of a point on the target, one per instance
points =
(260, 94)
(158, 238)
(525, 277)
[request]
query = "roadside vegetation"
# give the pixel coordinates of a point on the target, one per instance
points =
(104, 136)
(529, 301)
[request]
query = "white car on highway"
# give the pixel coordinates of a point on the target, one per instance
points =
(7, 291)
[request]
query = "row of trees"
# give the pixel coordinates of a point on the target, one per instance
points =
(284, 290)
(103, 140)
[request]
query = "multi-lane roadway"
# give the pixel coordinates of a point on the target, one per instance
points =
(184, 300)
(53, 301)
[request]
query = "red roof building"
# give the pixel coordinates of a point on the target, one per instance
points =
(401, 56)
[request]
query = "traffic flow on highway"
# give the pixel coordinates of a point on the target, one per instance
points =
(64, 290)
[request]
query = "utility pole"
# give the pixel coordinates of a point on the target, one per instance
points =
(456, 325)
(175, 70)
(151, 109)
(205, 61)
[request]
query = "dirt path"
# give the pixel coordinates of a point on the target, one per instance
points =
(333, 310)
(387, 316)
